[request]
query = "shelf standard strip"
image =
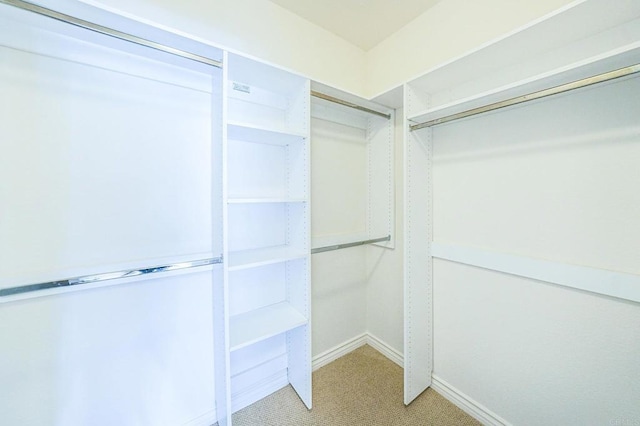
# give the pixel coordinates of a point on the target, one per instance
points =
(347, 245)
(92, 279)
(349, 104)
(109, 31)
(600, 78)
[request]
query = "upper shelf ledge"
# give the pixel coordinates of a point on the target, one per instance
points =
(552, 50)
(619, 58)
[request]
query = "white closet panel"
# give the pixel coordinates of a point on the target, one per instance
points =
(340, 184)
(554, 179)
(115, 355)
(352, 186)
(105, 165)
(557, 182)
(91, 152)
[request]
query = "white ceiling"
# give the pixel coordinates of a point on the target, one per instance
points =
(364, 23)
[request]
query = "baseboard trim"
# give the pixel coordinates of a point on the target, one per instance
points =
(278, 381)
(351, 345)
(258, 391)
(385, 349)
(338, 351)
(467, 404)
(207, 419)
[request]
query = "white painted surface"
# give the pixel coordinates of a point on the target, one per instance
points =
(533, 353)
(417, 283)
(352, 187)
(385, 267)
(556, 180)
(106, 164)
(267, 245)
(364, 23)
(445, 31)
(249, 27)
(601, 281)
(133, 354)
(339, 188)
(468, 405)
(89, 147)
(257, 28)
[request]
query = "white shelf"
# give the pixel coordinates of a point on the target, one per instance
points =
(260, 134)
(264, 256)
(619, 58)
(258, 200)
(260, 324)
(561, 31)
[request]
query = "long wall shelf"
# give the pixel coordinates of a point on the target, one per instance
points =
(619, 58)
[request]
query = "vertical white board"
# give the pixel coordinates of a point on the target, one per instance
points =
(418, 287)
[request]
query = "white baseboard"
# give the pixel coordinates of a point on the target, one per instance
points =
(259, 390)
(271, 384)
(466, 404)
(207, 419)
(336, 352)
(350, 345)
(385, 349)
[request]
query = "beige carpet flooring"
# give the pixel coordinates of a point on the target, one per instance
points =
(361, 388)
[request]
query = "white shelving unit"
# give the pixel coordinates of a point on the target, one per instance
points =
(576, 42)
(266, 223)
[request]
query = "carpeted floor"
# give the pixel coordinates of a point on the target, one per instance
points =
(361, 388)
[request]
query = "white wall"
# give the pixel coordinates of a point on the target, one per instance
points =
(257, 28)
(555, 179)
(444, 32)
(271, 33)
(339, 208)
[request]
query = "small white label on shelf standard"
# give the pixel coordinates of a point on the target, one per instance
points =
(241, 87)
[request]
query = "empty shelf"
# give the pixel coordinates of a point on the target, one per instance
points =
(263, 256)
(258, 134)
(258, 200)
(254, 326)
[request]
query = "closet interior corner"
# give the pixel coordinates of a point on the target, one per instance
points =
(186, 228)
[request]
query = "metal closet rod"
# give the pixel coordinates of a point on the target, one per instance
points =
(347, 245)
(349, 104)
(600, 78)
(109, 31)
(92, 279)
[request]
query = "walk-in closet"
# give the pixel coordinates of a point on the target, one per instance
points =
(262, 212)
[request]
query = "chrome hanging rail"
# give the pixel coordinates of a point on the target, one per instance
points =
(92, 279)
(600, 78)
(347, 245)
(349, 104)
(109, 31)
